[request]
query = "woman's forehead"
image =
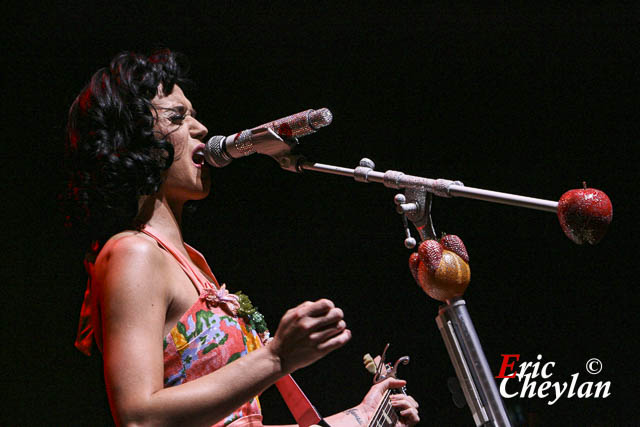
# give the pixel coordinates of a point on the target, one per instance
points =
(176, 96)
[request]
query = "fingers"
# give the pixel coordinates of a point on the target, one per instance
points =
(407, 407)
(403, 401)
(326, 321)
(308, 332)
(410, 416)
(318, 315)
(328, 332)
(317, 308)
(330, 319)
(335, 342)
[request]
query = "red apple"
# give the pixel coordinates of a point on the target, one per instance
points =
(584, 214)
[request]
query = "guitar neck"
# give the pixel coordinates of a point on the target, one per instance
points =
(385, 415)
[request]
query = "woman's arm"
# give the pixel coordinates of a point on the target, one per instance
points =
(361, 414)
(134, 298)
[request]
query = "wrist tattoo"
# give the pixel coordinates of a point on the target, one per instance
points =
(354, 412)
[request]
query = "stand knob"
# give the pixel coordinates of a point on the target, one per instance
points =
(409, 242)
(365, 167)
(367, 163)
(403, 207)
(399, 200)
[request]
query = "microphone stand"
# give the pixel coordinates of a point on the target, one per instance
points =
(453, 320)
(414, 204)
(399, 180)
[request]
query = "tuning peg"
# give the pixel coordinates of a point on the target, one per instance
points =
(369, 363)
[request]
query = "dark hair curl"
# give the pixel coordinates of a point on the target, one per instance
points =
(113, 152)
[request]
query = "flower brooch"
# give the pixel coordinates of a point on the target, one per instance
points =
(221, 298)
(237, 304)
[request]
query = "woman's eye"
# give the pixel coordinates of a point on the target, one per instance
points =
(176, 118)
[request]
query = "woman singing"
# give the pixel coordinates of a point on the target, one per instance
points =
(178, 347)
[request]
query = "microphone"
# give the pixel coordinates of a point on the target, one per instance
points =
(273, 138)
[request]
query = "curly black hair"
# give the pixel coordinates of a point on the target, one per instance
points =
(113, 154)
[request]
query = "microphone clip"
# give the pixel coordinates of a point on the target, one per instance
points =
(263, 140)
(266, 141)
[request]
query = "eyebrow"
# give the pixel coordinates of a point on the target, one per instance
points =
(181, 109)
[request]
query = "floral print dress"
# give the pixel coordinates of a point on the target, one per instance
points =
(207, 336)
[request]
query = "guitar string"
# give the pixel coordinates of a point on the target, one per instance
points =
(376, 415)
(389, 413)
(382, 413)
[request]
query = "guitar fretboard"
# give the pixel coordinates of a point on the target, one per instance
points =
(385, 415)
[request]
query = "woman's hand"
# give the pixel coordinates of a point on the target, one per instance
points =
(307, 333)
(406, 405)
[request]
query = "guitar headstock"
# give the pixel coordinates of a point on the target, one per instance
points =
(383, 370)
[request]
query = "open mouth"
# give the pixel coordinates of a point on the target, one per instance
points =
(198, 156)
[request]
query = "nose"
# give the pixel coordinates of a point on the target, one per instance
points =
(198, 130)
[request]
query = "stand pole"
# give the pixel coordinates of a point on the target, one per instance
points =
(453, 320)
(398, 180)
(471, 365)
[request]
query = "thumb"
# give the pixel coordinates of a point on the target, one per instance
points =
(392, 383)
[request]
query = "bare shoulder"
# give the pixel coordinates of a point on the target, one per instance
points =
(130, 246)
(130, 258)
(132, 293)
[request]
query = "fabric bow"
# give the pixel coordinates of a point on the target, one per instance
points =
(221, 297)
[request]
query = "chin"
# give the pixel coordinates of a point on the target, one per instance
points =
(205, 187)
(198, 191)
(201, 194)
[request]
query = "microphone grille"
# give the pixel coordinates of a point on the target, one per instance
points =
(320, 118)
(214, 152)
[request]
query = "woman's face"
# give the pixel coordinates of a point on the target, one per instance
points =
(188, 178)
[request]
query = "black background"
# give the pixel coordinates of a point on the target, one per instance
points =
(526, 101)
